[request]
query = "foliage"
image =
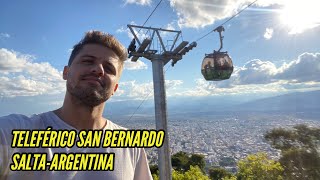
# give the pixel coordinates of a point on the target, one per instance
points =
(154, 169)
(301, 164)
(301, 136)
(232, 177)
(218, 173)
(299, 151)
(227, 161)
(300, 159)
(182, 161)
(193, 173)
(185, 166)
(259, 167)
(155, 177)
(197, 160)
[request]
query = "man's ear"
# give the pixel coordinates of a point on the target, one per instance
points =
(65, 72)
(115, 88)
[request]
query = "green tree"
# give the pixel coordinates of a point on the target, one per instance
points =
(259, 167)
(227, 161)
(180, 161)
(154, 169)
(155, 177)
(218, 173)
(299, 147)
(232, 177)
(194, 173)
(197, 160)
(300, 137)
(301, 164)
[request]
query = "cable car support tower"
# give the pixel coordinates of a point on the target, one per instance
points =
(159, 59)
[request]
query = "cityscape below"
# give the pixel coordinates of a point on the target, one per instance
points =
(223, 140)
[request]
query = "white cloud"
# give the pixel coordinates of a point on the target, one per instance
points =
(172, 84)
(56, 103)
(268, 34)
(255, 77)
(208, 88)
(129, 65)
(202, 88)
(121, 30)
(170, 26)
(255, 72)
(301, 29)
(141, 90)
(11, 61)
(201, 13)
(143, 34)
(134, 90)
(305, 68)
(139, 2)
(258, 76)
(4, 35)
(140, 33)
(19, 76)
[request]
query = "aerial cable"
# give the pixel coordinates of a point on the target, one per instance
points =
(133, 42)
(227, 20)
(182, 38)
(167, 69)
(151, 14)
(145, 98)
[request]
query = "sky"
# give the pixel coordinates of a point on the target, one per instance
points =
(274, 45)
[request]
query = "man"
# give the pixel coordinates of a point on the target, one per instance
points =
(92, 76)
(207, 69)
(132, 47)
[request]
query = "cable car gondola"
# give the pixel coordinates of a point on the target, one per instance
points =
(218, 65)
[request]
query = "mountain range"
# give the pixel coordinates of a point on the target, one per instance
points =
(306, 103)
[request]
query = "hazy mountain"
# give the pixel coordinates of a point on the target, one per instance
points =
(298, 103)
(302, 104)
(174, 105)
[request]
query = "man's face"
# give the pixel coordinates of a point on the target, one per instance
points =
(93, 75)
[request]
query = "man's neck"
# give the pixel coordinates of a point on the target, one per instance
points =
(82, 117)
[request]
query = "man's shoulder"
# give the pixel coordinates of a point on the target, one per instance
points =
(19, 121)
(14, 117)
(112, 126)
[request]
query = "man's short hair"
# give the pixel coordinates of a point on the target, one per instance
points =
(104, 39)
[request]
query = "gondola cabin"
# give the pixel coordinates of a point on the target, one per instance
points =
(217, 66)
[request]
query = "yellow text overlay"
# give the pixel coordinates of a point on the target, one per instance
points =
(63, 162)
(133, 138)
(43, 138)
(50, 138)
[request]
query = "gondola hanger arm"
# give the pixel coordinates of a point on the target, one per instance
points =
(220, 29)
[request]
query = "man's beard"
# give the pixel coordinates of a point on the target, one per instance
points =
(88, 96)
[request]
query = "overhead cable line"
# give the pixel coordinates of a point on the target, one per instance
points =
(151, 14)
(167, 69)
(145, 98)
(227, 20)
